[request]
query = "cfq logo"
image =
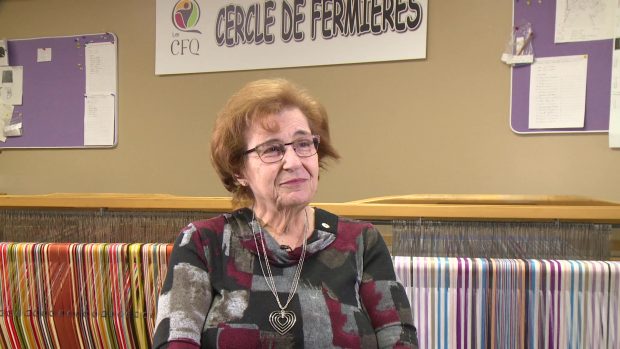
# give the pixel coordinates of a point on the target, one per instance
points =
(185, 17)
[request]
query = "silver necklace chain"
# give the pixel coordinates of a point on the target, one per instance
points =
(282, 320)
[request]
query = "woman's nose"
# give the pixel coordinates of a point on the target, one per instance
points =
(290, 158)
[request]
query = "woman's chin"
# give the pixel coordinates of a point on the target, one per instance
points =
(293, 200)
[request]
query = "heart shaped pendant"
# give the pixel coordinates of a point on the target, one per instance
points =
(282, 320)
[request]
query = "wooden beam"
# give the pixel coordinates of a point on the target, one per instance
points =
(452, 207)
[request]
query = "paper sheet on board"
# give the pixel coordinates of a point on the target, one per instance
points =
(100, 64)
(614, 121)
(99, 111)
(558, 92)
(11, 85)
(584, 20)
(614, 108)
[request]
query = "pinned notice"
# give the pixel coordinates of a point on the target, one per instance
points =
(558, 92)
(4, 53)
(99, 102)
(100, 68)
(11, 85)
(99, 120)
(44, 54)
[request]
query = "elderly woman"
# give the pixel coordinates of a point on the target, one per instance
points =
(278, 273)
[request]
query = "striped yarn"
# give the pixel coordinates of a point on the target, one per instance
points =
(69, 295)
(468, 303)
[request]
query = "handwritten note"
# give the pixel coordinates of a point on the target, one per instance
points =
(584, 20)
(99, 120)
(99, 103)
(614, 122)
(100, 64)
(558, 92)
(44, 54)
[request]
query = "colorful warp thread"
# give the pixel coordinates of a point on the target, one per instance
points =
(512, 303)
(70, 295)
(98, 295)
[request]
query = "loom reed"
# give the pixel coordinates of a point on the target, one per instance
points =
(542, 240)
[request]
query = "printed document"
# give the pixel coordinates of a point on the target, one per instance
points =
(11, 85)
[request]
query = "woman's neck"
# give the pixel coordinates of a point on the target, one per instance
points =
(288, 226)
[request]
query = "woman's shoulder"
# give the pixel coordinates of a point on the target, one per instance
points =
(340, 225)
(216, 224)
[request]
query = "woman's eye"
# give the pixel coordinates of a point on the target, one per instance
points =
(272, 149)
(304, 143)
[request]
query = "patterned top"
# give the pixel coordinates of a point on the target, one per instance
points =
(215, 294)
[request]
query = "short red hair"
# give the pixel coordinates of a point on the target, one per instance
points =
(250, 106)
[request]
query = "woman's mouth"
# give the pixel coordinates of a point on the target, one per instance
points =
(294, 181)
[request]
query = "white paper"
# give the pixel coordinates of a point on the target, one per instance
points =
(44, 54)
(13, 130)
(4, 53)
(100, 64)
(584, 20)
(614, 105)
(517, 59)
(11, 85)
(617, 26)
(6, 112)
(99, 120)
(614, 121)
(614, 109)
(558, 92)
(2, 135)
(615, 72)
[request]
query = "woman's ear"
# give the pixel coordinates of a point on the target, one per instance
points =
(242, 182)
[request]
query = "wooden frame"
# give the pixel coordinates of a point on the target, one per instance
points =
(463, 207)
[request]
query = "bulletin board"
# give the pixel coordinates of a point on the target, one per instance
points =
(54, 91)
(541, 14)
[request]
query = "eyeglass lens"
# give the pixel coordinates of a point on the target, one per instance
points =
(273, 152)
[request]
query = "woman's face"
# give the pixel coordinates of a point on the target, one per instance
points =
(290, 182)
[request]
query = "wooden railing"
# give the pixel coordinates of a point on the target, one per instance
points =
(468, 207)
(447, 207)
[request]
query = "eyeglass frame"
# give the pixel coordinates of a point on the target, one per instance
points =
(316, 140)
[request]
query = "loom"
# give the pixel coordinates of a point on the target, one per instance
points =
(84, 270)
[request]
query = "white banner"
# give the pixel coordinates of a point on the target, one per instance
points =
(217, 35)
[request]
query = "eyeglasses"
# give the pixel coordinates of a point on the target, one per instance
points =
(274, 151)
